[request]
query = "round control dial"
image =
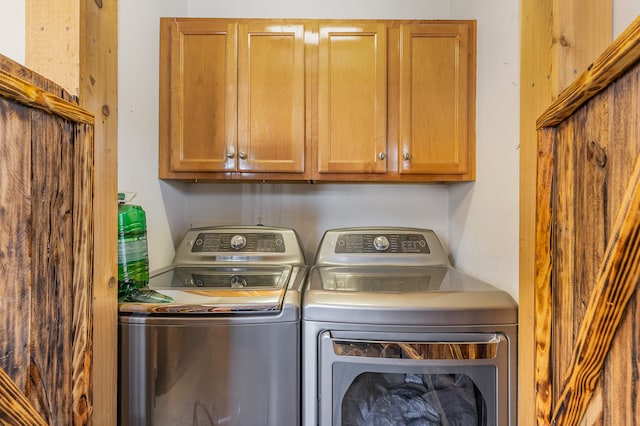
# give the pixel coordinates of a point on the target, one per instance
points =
(238, 282)
(238, 242)
(381, 243)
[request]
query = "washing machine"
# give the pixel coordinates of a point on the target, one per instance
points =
(224, 347)
(393, 334)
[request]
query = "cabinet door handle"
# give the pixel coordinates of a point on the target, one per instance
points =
(231, 154)
(382, 156)
(242, 155)
(406, 156)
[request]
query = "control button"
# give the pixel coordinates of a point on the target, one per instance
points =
(238, 242)
(381, 243)
(238, 282)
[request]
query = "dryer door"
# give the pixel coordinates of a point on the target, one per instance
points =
(436, 378)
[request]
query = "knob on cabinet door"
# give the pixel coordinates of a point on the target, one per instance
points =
(406, 156)
(242, 155)
(382, 156)
(231, 154)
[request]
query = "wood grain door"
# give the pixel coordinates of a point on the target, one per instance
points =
(46, 252)
(588, 245)
(437, 98)
(352, 98)
(202, 94)
(271, 98)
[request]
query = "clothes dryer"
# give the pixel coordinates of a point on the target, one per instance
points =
(393, 334)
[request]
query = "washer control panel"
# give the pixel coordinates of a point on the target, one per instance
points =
(381, 243)
(230, 244)
(210, 242)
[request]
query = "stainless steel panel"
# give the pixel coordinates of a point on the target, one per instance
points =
(386, 302)
(273, 294)
(338, 372)
(409, 295)
(214, 358)
(313, 332)
(205, 373)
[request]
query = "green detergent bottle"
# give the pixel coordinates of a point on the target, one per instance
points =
(133, 258)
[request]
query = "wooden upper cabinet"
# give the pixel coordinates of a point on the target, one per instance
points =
(202, 95)
(271, 98)
(236, 98)
(437, 99)
(352, 98)
(344, 100)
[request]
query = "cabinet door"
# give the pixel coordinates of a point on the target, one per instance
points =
(271, 98)
(352, 98)
(203, 96)
(437, 99)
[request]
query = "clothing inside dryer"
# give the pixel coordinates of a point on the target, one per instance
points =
(396, 399)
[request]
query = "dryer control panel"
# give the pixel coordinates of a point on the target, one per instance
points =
(367, 246)
(381, 243)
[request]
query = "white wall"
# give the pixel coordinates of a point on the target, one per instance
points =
(12, 29)
(484, 216)
(477, 221)
(624, 12)
(138, 57)
(311, 209)
(361, 9)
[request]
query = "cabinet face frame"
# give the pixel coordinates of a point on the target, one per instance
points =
(437, 98)
(203, 124)
(352, 97)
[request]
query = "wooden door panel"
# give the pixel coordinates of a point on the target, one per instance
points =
(352, 98)
(616, 283)
(15, 408)
(582, 224)
(203, 96)
(52, 274)
(15, 233)
(435, 118)
(588, 245)
(271, 98)
(46, 255)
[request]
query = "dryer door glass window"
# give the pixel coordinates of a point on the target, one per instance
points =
(444, 379)
(413, 398)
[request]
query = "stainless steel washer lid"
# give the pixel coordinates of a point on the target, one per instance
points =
(225, 270)
(397, 275)
(197, 290)
(436, 295)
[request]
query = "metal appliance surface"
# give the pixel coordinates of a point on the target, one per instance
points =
(391, 330)
(226, 350)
